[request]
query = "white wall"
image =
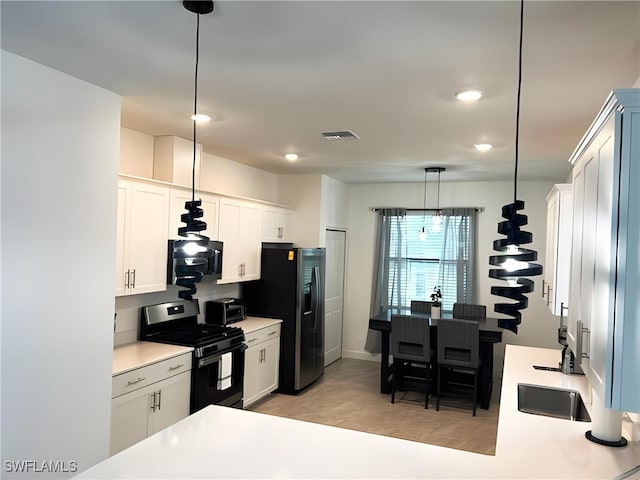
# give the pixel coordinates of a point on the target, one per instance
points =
(538, 327)
(334, 204)
(60, 140)
(136, 153)
(217, 174)
(226, 177)
(304, 193)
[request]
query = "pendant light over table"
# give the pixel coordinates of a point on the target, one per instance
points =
(515, 263)
(194, 252)
(436, 221)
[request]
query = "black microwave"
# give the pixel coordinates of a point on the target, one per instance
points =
(211, 269)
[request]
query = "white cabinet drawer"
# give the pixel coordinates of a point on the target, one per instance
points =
(262, 335)
(143, 376)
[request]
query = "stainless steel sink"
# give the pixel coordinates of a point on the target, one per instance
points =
(552, 402)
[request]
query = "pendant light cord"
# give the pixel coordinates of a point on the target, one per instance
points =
(195, 111)
(438, 205)
(424, 200)
(515, 173)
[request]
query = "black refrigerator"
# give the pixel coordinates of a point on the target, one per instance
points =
(291, 287)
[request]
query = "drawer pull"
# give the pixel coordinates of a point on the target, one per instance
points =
(133, 382)
(180, 365)
(273, 333)
(251, 340)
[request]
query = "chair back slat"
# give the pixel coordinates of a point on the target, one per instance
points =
(420, 306)
(410, 338)
(458, 343)
(469, 311)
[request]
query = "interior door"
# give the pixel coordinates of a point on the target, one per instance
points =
(334, 289)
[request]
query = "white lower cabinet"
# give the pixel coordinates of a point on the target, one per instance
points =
(149, 399)
(262, 361)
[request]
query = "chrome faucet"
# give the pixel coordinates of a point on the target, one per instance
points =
(568, 363)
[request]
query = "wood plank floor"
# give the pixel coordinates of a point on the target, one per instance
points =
(348, 396)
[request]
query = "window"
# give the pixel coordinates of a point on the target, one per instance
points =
(409, 267)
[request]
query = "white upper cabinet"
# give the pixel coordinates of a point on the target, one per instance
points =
(278, 224)
(240, 230)
(603, 330)
(555, 287)
(141, 254)
(210, 206)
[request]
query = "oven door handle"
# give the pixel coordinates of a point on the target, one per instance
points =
(208, 360)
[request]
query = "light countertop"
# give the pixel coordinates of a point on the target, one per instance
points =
(251, 324)
(215, 442)
(139, 354)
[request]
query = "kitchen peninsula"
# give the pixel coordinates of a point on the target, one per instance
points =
(217, 441)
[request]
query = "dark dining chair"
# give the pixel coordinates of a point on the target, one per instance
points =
(469, 311)
(410, 344)
(420, 306)
(458, 348)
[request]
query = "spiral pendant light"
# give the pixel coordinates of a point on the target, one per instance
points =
(192, 252)
(515, 263)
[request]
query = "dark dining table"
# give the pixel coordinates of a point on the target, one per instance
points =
(489, 331)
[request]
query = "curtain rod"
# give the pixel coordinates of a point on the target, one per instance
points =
(375, 209)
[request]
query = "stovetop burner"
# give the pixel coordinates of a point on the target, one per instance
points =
(197, 335)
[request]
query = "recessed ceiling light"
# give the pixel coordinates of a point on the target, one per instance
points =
(201, 118)
(469, 95)
(483, 147)
(292, 157)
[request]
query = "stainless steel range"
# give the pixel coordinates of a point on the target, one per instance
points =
(218, 357)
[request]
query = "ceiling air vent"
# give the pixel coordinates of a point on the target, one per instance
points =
(347, 135)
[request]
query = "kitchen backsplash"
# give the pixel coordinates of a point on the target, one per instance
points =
(128, 307)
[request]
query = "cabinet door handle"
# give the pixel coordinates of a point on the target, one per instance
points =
(280, 230)
(180, 365)
(126, 279)
(549, 294)
(579, 340)
(138, 380)
(159, 399)
(133, 282)
(543, 282)
(153, 402)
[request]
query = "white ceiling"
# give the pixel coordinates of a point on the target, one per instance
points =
(275, 75)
